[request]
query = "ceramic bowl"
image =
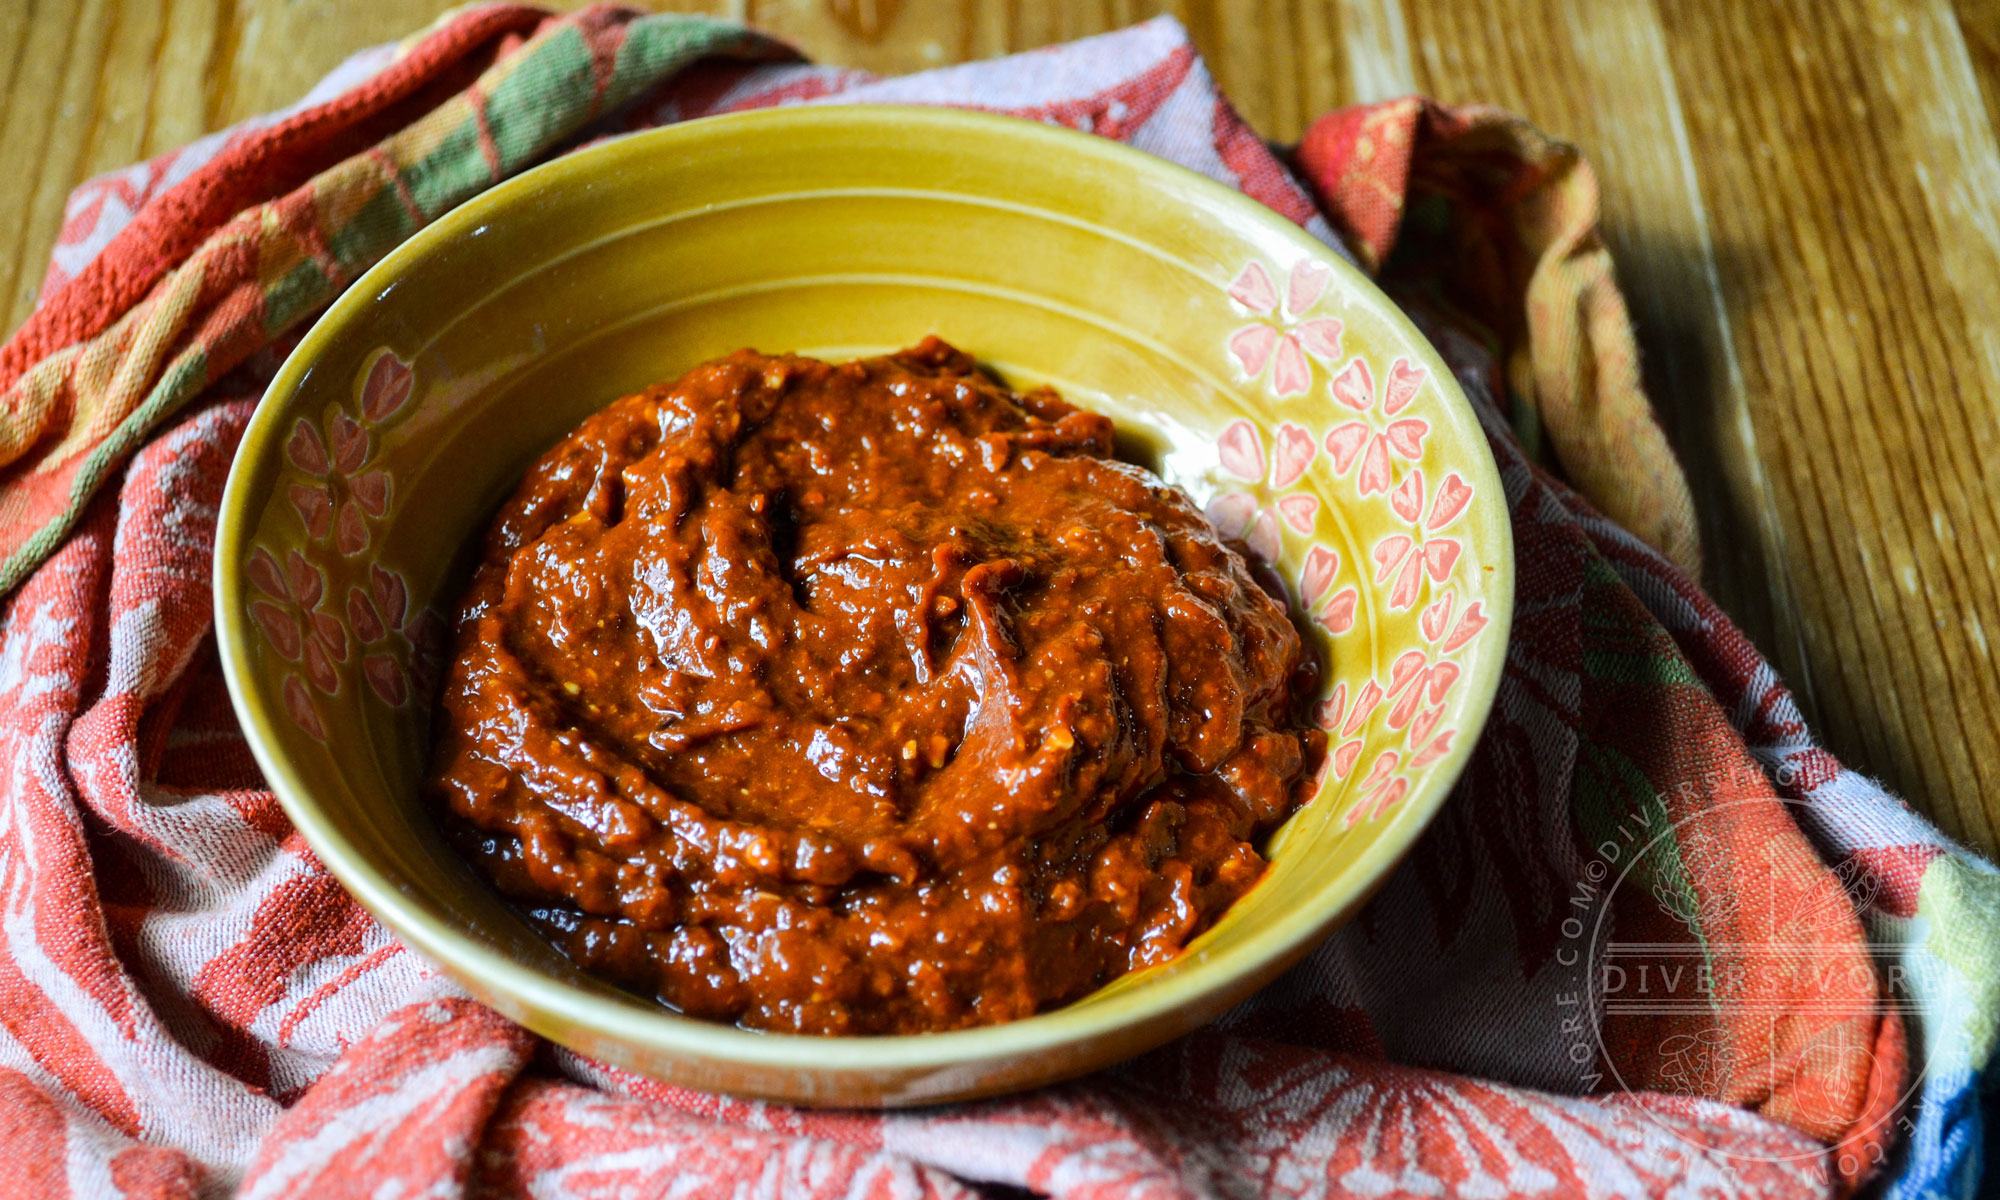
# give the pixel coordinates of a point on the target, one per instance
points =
(1246, 361)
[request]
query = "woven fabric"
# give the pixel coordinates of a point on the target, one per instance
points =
(191, 1005)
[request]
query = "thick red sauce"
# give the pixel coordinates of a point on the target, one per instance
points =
(865, 698)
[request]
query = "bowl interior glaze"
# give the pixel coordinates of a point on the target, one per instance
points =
(1244, 360)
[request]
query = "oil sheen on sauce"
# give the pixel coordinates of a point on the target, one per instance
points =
(866, 697)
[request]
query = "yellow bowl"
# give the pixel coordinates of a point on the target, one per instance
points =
(1248, 362)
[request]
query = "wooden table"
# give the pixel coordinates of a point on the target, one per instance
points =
(1803, 199)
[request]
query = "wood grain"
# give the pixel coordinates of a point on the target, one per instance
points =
(1860, 288)
(1803, 200)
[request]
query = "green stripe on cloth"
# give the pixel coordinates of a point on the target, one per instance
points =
(383, 220)
(1620, 643)
(529, 105)
(452, 172)
(295, 293)
(183, 379)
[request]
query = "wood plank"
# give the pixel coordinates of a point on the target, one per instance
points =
(1979, 26)
(52, 116)
(1375, 41)
(1280, 64)
(1849, 145)
(1599, 78)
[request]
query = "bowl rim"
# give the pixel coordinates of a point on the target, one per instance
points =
(662, 1031)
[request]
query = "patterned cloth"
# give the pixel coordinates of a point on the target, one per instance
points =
(1658, 942)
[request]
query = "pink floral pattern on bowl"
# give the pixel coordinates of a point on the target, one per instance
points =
(1382, 434)
(1283, 339)
(1406, 558)
(1398, 719)
(325, 603)
(339, 493)
(403, 650)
